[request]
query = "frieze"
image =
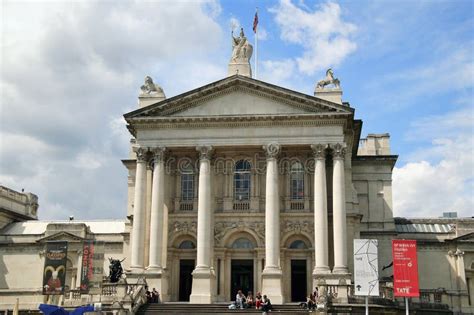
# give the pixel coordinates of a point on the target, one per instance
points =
(182, 227)
(223, 228)
(297, 226)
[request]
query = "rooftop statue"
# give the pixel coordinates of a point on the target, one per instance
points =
(329, 79)
(150, 88)
(241, 48)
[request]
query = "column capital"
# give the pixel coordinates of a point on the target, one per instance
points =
(319, 151)
(272, 150)
(205, 152)
(338, 151)
(141, 153)
(158, 153)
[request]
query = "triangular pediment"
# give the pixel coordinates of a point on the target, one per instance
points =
(239, 96)
(61, 236)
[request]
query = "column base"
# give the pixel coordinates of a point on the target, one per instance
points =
(136, 270)
(203, 286)
(340, 270)
(321, 270)
(272, 284)
(158, 278)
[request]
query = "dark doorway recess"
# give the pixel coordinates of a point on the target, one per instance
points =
(186, 267)
(241, 277)
(298, 280)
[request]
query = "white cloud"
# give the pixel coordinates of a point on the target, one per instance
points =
(441, 177)
(451, 71)
(234, 24)
(71, 70)
(262, 33)
(325, 38)
(278, 71)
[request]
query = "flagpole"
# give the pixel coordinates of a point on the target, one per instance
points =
(256, 48)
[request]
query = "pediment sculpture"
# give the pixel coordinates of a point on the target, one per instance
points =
(241, 48)
(329, 79)
(149, 88)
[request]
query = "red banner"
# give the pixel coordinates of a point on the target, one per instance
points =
(405, 268)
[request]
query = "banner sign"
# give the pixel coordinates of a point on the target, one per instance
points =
(92, 267)
(405, 268)
(54, 272)
(366, 270)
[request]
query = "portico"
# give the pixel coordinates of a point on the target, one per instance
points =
(214, 269)
(243, 157)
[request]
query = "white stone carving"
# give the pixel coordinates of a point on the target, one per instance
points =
(241, 54)
(329, 79)
(241, 48)
(272, 150)
(150, 88)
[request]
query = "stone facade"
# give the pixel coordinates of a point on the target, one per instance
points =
(241, 184)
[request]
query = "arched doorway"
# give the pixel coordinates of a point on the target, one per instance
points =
(298, 255)
(182, 261)
(240, 264)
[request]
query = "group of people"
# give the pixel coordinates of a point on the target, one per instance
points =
(259, 302)
(152, 296)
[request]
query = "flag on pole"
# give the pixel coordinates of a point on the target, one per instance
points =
(255, 22)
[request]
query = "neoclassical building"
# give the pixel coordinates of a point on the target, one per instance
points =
(242, 184)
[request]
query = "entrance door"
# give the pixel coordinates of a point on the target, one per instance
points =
(186, 267)
(298, 280)
(241, 277)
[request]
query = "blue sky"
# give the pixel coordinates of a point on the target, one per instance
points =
(71, 69)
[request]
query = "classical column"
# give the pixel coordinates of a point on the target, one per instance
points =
(157, 209)
(203, 275)
(320, 211)
(339, 210)
(272, 275)
(138, 228)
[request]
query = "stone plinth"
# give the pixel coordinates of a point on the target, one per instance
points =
(145, 100)
(240, 68)
(272, 285)
(158, 279)
(329, 94)
(203, 286)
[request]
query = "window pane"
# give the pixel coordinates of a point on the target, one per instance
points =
(297, 181)
(242, 180)
(298, 244)
(187, 187)
(242, 243)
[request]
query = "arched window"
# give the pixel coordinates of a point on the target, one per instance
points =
(242, 181)
(187, 245)
(298, 244)
(242, 243)
(297, 181)
(187, 184)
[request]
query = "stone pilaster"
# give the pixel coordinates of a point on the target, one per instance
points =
(320, 213)
(272, 274)
(138, 227)
(203, 275)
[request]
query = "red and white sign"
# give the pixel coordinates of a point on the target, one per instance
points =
(405, 268)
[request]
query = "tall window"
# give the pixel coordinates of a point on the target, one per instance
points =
(242, 181)
(296, 181)
(187, 184)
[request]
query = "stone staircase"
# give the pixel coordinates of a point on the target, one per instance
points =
(183, 308)
(214, 309)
